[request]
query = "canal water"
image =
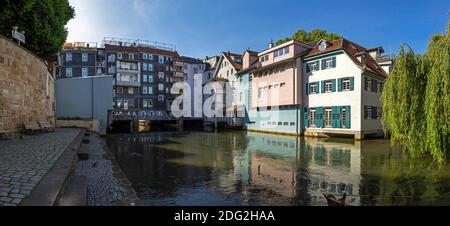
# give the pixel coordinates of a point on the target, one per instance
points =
(246, 168)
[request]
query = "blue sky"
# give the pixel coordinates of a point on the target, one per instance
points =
(202, 28)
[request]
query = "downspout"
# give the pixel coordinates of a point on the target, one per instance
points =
(294, 97)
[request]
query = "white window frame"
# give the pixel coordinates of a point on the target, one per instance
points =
(150, 67)
(346, 84)
(161, 98)
(84, 57)
(328, 87)
(328, 117)
(161, 87)
(313, 88)
(69, 72)
(68, 57)
(84, 72)
(150, 89)
(132, 90)
(145, 56)
(328, 63)
(119, 56)
(161, 59)
(312, 117)
(144, 90)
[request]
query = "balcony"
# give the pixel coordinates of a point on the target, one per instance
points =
(128, 83)
(178, 74)
(178, 63)
(127, 70)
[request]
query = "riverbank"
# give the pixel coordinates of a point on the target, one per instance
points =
(106, 183)
(25, 163)
(65, 167)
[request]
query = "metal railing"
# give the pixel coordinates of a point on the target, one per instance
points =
(138, 43)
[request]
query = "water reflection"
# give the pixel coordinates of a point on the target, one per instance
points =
(244, 168)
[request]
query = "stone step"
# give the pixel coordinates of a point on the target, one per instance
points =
(83, 153)
(75, 192)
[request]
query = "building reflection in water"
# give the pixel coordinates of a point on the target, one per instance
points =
(245, 168)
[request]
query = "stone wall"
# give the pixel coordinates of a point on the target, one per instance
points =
(26, 88)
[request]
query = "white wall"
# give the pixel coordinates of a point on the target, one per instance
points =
(345, 67)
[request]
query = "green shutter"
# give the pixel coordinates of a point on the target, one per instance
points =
(352, 83)
(339, 85)
(322, 64)
(307, 89)
(334, 62)
(319, 117)
(308, 69)
(323, 86)
(338, 117)
(333, 117)
(305, 119)
(333, 85)
(348, 118)
(317, 87)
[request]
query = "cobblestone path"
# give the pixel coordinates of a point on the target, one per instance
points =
(23, 163)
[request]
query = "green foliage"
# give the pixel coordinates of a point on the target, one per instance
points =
(314, 35)
(43, 22)
(416, 100)
(438, 97)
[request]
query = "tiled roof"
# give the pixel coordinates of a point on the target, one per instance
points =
(353, 50)
(236, 66)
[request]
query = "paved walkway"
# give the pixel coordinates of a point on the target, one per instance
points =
(23, 163)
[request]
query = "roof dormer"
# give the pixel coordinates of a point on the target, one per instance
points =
(323, 45)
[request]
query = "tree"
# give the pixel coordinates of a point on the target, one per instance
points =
(416, 100)
(43, 22)
(314, 35)
(438, 97)
(10, 12)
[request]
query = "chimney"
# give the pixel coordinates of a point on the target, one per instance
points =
(271, 45)
(228, 53)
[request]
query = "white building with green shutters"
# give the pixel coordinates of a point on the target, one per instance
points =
(343, 83)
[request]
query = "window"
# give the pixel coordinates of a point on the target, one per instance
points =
(367, 84)
(167, 90)
(145, 56)
(161, 59)
(328, 117)
(346, 84)
(328, 63)
(260, 92)
(344, 117)
(312, 117)
(131, 56)
(145, 66)
(313, 88)
(144, 90)
(145, 78)
(367, 112)
(119, 90)
(160, 98)
(161, 87)
(292, 124)
(314, 66)
(84, 72)
(84, 57)
(112, 58)
(374, 85)
(379, 112)
(130, 90)
(68, 57)
(328, 87)
(119, 103)
(150, 67)
(150, 78)
(285, 123)
(150, 90)
(144, 103)
(112, 70)
(68, 72)
(282, 85)
(161, 75)
(119, 56)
